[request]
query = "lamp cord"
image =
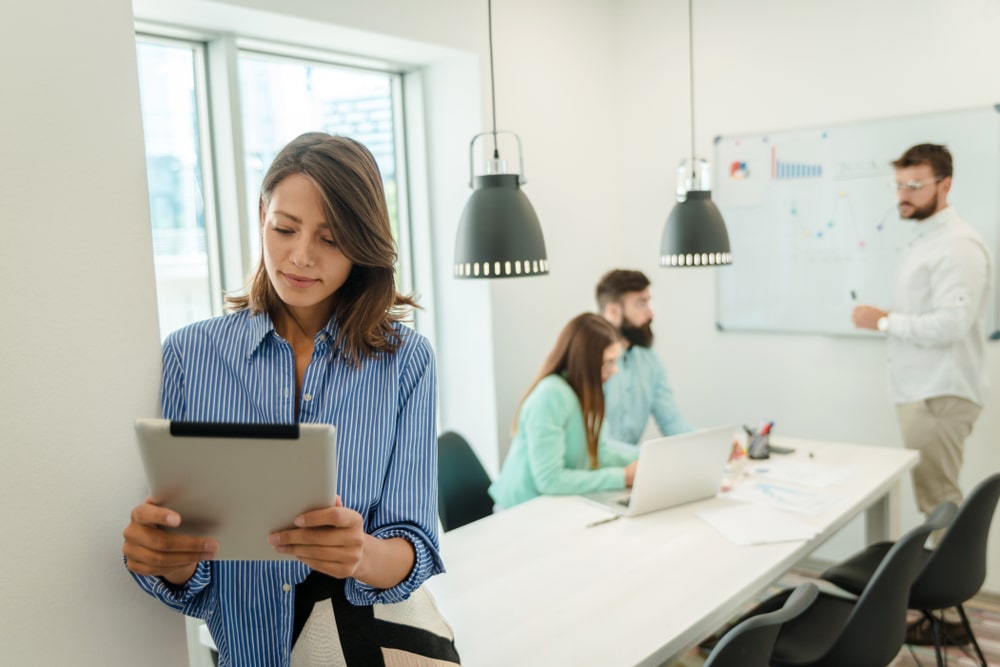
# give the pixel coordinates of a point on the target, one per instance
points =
(493, 91)
(691, 78)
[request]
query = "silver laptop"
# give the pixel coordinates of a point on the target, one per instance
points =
(673, 471)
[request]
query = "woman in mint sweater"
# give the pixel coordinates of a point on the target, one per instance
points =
(557, 447)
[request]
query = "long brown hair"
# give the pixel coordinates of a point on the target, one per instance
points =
(578, 356)
(350, 185)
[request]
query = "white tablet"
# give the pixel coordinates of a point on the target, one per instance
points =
(238, 483)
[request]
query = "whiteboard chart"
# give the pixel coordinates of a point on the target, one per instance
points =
(812, 217)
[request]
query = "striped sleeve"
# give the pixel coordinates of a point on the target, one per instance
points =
(185, 599)
(172, 383)
(408, 507)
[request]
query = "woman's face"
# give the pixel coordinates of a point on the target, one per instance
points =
(609, 361)
(302, 259)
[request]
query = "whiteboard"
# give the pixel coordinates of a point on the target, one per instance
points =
(812, 217)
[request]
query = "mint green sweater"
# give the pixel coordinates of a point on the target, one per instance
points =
(548, 455)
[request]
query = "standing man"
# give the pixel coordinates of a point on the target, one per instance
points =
(936, 326)
(639, 388)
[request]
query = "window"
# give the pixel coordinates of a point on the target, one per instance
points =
(281, 98)
(185, 280)
(206, 240)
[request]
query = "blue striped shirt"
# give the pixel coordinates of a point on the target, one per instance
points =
(236, 368)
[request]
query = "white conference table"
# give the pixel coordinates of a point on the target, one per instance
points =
(534, 585)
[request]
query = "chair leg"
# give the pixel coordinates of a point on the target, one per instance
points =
(972, 637)
(936, 636)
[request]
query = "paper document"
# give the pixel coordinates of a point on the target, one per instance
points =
(802, 473)
(756, 524)
(803, 501)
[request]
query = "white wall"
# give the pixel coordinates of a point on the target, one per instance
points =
(78, 341)
(555, 64)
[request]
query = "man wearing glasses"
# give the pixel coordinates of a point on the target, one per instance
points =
(935, 328)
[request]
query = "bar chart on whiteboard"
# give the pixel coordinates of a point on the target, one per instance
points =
(812, 217)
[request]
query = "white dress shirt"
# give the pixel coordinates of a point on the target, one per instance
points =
(937, 323)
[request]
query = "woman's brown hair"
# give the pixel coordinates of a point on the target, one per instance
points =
(350, 185)
(578, 356)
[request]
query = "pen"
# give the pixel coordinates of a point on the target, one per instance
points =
(600, 521)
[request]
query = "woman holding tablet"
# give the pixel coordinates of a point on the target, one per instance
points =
(557, 446)
(316, 337)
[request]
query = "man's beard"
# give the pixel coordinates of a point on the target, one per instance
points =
(923, 212)
(641, 336)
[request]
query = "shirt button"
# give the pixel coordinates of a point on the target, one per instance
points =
(286, 393)
(322, 337)
(286, 587)
(307, 397)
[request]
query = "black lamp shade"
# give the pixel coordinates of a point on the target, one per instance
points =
(498, 234)
(695, 234)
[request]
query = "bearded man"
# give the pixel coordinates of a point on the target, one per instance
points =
(639, 390)
(935, 328)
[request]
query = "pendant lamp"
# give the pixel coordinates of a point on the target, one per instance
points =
(498, 234)
(695, 233)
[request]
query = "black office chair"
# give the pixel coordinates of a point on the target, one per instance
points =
(951, 573)
(462, 483)
(749, 644)
(868, 631)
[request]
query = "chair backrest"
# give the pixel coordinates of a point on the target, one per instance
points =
(462, 483)
(750, 643)
(876, 626)
(956, 568)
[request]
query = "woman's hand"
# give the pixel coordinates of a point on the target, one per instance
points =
(330, 540)
(333, 541)
(150, 550)
(630, 473)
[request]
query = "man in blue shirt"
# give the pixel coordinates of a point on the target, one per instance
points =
(639, 389)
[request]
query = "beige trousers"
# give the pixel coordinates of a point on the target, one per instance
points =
(937, 428)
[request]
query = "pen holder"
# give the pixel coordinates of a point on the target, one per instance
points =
(759, 446)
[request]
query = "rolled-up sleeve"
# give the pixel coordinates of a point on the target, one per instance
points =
(189, 599)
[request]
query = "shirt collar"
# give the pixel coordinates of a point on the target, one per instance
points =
(934, 222)
(260, 327)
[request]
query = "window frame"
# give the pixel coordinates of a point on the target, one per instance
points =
(206, 164)
(222, 154)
